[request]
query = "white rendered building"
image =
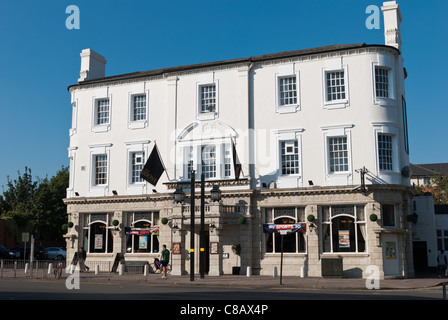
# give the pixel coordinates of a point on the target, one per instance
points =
(306, 126)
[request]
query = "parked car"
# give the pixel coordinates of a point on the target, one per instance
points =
(56, 253)
(6, 253)
(39, 252)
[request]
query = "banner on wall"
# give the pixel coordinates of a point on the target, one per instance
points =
(141, 231)
(269, 228)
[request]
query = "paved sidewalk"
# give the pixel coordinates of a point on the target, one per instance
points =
(267, 282)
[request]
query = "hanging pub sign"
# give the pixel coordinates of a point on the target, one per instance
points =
(141, 231)
(269, 228)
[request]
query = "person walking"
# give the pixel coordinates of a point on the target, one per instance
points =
(82, 256)
(165, 259)
(442, 263)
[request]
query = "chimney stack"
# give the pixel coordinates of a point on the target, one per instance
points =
(392, 20)
(93, 65)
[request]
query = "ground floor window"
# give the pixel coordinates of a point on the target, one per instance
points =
(97, 235)
(292, 242)
(343, 228)
(142, 232)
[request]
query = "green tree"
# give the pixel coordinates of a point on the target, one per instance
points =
(439, 185)
(36, 205)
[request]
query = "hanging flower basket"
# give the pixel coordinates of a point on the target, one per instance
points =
(311, 218)
(115, 223)
(64, 227)
(412, 218)
(164, 220)
(373, 217)
(70, 224)
(242, 220)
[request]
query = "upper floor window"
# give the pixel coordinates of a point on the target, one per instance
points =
(208, 98)
(100, 177)
(212, 160)
(102, 112)
(338, 154)
(385, 159)
(335, 85)
(288, 91)
(381, 82)
(290, 157)
(137, 163)
(208, 156)
(139, 107)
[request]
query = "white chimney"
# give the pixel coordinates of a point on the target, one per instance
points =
(392, 20)
(93, 65)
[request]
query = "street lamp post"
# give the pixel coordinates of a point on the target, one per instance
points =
(201, 244)
(192, 225)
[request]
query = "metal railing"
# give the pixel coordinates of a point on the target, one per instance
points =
(45, 269)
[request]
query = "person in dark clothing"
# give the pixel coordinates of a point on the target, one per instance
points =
(82, 256)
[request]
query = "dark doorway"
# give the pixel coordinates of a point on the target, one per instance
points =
(420, 252)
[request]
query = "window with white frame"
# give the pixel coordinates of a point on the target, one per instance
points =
(338, 154)
(212, 160)
(99, 169)
(139, 107)
(292, 242)
(227, 161)
(287, 91)
(100, 162)
(343, 228)
(143, 231)
(335, 85)
(208, 98)
(386, 146)
(381, 82)
(208, 157)
(289, 157)
(385, 149)
(137, 163)
(102, 112)
(97, 236)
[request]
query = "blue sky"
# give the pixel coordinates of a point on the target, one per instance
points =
(39, 58)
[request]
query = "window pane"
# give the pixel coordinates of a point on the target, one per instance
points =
(385, 151)
(287, 90)
(101, 169)
(139, 107)
(382, 82)
(208, 155)
(338, 153)
(290, 157)
(388, 211)
(335, 86)
(208, 98)
(102, 111)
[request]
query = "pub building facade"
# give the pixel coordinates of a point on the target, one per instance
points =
(310, 141)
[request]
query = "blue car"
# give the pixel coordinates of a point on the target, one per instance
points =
(56, 253)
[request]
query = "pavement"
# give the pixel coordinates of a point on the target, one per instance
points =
(256, 282)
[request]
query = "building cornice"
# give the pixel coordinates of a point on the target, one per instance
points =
(164, 73)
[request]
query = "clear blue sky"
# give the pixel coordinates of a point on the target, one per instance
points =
(39, 58)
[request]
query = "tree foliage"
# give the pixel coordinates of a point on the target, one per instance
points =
(36, 205)
(440, 188)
